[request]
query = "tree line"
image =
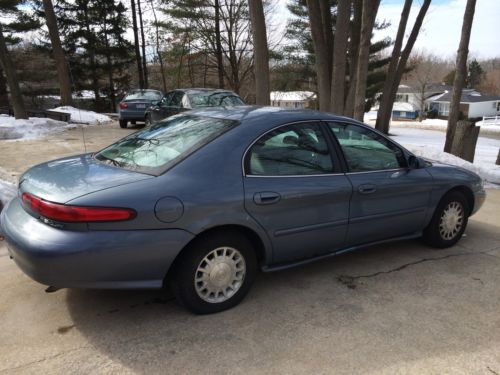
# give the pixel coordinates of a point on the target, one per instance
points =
(328, 47)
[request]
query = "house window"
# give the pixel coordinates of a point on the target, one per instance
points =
(444, 109)
(402, 98)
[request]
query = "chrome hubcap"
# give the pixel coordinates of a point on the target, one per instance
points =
(451, 220)
(220, 275)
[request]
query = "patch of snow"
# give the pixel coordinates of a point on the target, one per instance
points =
(292, 96)
(32, 128)
(82, 116)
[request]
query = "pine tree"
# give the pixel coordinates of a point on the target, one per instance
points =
(14, 20)
(94, 40)
(475, 74)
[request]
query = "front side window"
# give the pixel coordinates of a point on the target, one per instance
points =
(156, 148)
(217, 99)
(296, 149)
(365, 150)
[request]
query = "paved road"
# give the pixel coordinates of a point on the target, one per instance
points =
(397, 308)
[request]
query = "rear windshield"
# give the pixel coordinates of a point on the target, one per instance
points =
(149, 95)
(225, 99)
(158, 147)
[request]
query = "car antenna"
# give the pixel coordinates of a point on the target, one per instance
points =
(77, 107)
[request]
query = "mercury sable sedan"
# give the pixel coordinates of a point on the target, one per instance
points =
(201, 201)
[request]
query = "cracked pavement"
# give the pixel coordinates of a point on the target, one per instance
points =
(395, 308)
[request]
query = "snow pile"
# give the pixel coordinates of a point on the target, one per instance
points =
(7, 192)
(32, 128)
(82, 116)
(484, 170)
(292, 96)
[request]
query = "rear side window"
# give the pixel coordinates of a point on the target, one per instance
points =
(365, 150)
(295, 149)
(156, 148)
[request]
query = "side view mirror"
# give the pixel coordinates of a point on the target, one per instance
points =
(413, 162)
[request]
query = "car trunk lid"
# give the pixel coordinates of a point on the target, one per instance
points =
(69, 178)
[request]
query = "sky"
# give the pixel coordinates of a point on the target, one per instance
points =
(440, 33)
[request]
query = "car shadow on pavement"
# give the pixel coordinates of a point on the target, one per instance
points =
(365, 311)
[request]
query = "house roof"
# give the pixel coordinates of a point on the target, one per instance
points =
(431, 89)
(468, 96)
(403, 106)
(292, 96)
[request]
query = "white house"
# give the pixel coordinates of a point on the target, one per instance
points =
(473, 104)
(293, 99)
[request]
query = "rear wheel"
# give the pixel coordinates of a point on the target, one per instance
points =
(449, 221)
(123, 124)
(147, 120)
(215, 273)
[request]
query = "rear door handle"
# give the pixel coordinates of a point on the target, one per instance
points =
(266, 197)
(367, 188)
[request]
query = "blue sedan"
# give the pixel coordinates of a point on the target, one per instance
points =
(199, 202)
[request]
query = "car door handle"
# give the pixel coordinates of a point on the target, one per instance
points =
(367, 188)
(266, 197)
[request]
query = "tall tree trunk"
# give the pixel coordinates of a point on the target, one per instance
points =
(218, 44)
(397, 64)
(160, 58)
(136, 45)
(353, 57)
(11, 75)
(4, 97)
(460, 75)
(339, 58)
(92, 57)
(63, 74)
(327, 24)
(323, 70)
(370, 8)
(143, 45)
(261, 52)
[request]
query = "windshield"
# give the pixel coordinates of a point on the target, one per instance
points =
(226, 99)
(148, 95)
(158, 147)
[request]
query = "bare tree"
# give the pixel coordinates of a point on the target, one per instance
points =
(12, 80)
(143, 46)
(160, 58)
(63, 74)
(218, 45)
(261, 52)
(339, 58)
(370, 8)
(355, 34)
(398, 62)
(460, 74)
(136, 45)
(321, 48)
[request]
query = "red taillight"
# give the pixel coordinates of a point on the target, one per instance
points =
(123, 105)
(75, 214)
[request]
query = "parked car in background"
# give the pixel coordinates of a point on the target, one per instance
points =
(202, 200)
(133, 106)
(177, 101)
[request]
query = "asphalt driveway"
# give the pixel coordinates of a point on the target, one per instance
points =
(397, 308)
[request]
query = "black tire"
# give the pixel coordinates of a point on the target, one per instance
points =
(147, 121)
(186, 269)
(433, 235)
(123, 124)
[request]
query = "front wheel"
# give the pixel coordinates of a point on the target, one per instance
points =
(448, 222)
(215, 273)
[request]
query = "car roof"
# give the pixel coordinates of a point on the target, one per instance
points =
(272, 115)
(204, 91)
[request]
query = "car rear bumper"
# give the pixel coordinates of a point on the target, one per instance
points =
(132, 115)
(89, 259)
